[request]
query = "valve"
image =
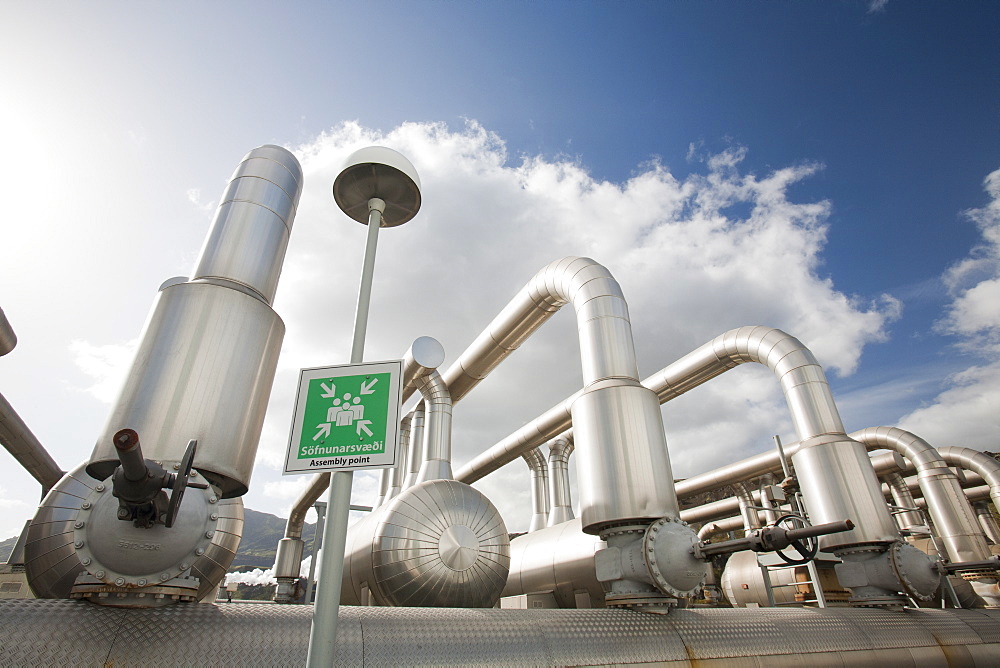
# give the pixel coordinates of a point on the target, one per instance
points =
(138, 483)
(776, 538)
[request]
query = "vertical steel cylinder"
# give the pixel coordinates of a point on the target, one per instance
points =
(539, 489)
(560, 502)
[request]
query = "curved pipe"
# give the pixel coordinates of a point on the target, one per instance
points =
(710, 529)
(624, 465)
(436, 462)
(22, 444)
(751, 519)
(415, 453)
(977, 461)
(903, 498)
(8, 339)
(560, 503)
(835, 473)
(539, 489)
(987, 522)
(953, 517)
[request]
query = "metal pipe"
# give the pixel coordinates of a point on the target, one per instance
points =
(953, 517)
(751, 520)
(22, 444)
(624, 465)
(981, 463)
(909, 519)
(987, 522)
(415, 453)
(398, 472)
(710, 529)
(560, 503)
(539, 489)
(8, 339)
(436, 461)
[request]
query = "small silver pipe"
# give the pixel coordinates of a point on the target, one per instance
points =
(423, 356)
(436, 460)
(308, 498)
(8, 339)
(415, 453)
(398, 472)
(710, 529)
(22, 444)
(560, 501)
(715, 510)
(987, 522)
(751, 519)
(902, 498)
(539, 489)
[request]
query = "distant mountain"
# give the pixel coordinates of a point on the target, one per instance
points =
(261, 533)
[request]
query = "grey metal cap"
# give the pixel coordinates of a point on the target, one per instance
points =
(377, 171)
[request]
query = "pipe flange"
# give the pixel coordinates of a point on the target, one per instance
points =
(162, 593)
(640, 600)
(668, 549)
(913, 585)
(861, 548)
(122, 555)
(630, 530)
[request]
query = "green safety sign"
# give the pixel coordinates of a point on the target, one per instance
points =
(346, 418)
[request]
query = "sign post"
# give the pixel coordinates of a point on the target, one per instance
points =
(380, 188)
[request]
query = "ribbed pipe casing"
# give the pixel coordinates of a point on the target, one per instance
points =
(436, 461)
(902, 498)
(439, 543)
(989, 523)
(560, 502)
(539, 489)
(954, 520)
(415, 451)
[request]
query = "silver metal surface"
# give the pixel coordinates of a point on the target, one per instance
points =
(977, 461)
(8, 339)
(902, 498)
(989, 523)
(539, 489)
(72, 633)
(247, 241)
(25, 447)
(436, 460)
(439, 543)
(954, 520)
(715, 527)
(558, 559)
(751, 518)
(560, 501)
(415, 451)
(424, 355)
(52, 559)
(204, 369)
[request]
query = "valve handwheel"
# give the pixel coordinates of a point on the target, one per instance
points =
(805, 548)
(180, 483)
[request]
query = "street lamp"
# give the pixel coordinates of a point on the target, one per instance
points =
(377, 187)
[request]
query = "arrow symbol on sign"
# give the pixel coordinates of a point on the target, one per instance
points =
(366, 388)
(362, 424)
(324, 431)
(329, 391)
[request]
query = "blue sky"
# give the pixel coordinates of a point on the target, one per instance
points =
(122, 122)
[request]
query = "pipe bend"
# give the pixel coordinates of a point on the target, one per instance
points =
(297, 515)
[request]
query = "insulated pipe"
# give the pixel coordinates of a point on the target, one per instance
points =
(751, 520)
(539, 489)
(560, 503)
(953, 517)
(22, 444)
(977, 461)
(415, 453)
(836, 476)
(8, 339)
(436, 461)
(710, 529)
(624, 465)
(902, 498)
(714, 510)
(987, 522)
(397, 474)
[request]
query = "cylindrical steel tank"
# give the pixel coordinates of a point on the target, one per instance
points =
(439, 543)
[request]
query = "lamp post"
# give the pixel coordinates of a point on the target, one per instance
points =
(377, 187)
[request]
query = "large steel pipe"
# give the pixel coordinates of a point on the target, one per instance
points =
(539, 489)
(980, 462)
(624, 466)
(22, 444)
(560, 503)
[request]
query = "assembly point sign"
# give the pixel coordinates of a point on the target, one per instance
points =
(346, 418)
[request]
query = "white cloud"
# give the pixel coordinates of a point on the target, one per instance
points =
(967, 413)
(877, 6)
(194, 196)
(106, 365)
(695, 257)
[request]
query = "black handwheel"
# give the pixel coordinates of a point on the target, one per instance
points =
(180, 483)
(806, 548)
